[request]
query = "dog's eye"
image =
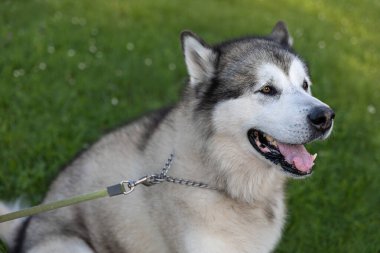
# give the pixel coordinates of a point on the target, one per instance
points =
(268, 90)
(305, 85)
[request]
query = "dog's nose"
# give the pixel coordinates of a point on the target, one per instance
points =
(321, 117)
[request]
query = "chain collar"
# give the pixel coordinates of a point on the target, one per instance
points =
(163, 177)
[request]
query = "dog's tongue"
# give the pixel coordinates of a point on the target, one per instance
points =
(297, 155)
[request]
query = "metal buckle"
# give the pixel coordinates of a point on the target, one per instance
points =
(130, 184)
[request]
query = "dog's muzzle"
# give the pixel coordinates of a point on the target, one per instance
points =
(293, 157)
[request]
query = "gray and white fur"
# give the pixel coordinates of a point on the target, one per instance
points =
(207, 130)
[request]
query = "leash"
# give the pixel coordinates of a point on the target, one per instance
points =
(125, 187)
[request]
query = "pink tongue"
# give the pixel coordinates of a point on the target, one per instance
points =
(297, 155)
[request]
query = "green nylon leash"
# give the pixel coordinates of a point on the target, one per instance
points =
(125, 187)
(54, 205)
(110, 191)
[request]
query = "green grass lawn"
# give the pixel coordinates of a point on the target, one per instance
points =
(70, 70)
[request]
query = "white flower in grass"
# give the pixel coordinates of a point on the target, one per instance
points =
(321, 16)
(148, 61)
(50, 49)
(92, 49)
(172, 66)
(99, 55)
(71, 52)
(74, 20)
(114, 101)
(354, 40)
(78, 21)
(371, 109)
(82, 66)
(299, 32)
(94, 31)
(18, 72)
(57, 16)
(82, 21)
(321, 44)
(130, 46)
(42, 66)
(337, 36)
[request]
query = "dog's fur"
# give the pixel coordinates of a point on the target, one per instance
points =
(207, 130)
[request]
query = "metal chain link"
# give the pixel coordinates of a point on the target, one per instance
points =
(188, 182)
(168, 163)
(163, 177)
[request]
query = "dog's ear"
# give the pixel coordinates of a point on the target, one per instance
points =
(281, 34)
(199, 57)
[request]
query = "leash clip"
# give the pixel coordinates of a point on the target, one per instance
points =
(129, 185)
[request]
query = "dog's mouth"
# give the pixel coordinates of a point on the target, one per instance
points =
(293, 158)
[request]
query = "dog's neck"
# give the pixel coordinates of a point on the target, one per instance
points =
(219, 161)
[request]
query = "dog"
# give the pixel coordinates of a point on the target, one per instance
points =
(240, 127)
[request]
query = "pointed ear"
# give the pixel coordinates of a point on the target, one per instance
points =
(199, 57)
(281, 34)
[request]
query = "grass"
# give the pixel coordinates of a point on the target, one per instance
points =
(69, 70)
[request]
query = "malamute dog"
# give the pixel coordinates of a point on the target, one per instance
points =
(240, 127)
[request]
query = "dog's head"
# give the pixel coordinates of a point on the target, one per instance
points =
(257, 93)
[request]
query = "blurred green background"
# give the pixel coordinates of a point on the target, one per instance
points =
(70, 70)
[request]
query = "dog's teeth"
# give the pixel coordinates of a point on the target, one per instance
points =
(315, 156)
(269, 138)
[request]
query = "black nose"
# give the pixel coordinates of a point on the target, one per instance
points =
(321, 117)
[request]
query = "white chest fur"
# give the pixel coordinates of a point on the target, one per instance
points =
(230, 227)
